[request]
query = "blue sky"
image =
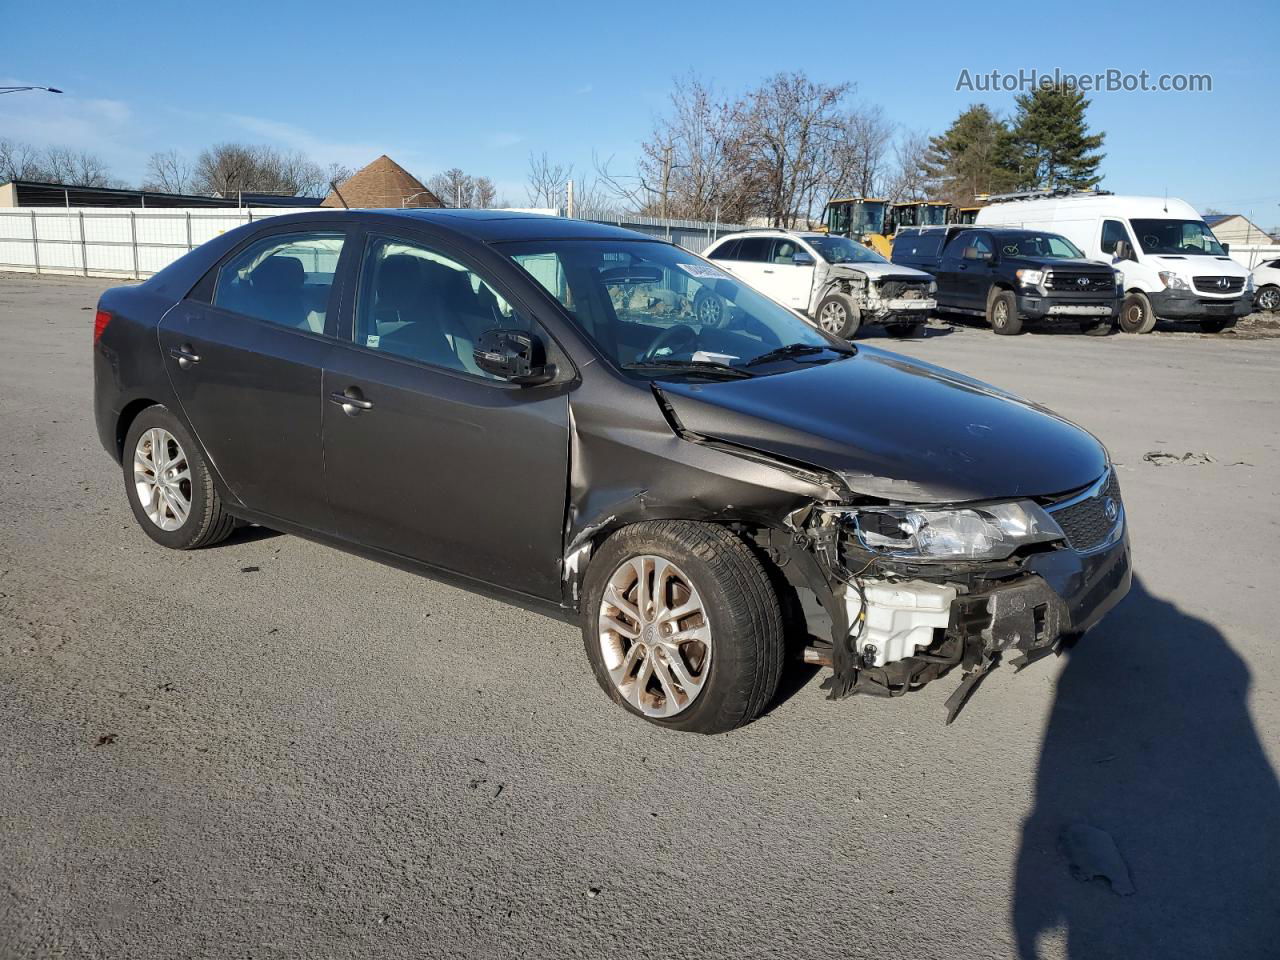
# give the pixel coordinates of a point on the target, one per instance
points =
(481, 85)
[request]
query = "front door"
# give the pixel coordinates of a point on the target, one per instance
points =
(426, 456)
(245, 354)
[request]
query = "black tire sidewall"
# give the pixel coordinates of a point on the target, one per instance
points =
(202, 492)
(726, 702)
(1138, 300)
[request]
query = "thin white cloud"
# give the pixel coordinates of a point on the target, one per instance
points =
(352, 153)
(585, 88)
(503, 139)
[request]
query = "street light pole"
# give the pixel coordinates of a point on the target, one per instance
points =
(21, 89)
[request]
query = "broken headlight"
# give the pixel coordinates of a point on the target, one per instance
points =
(990, 532)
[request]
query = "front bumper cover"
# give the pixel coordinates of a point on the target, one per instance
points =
(1038, 306)
(1187, 305)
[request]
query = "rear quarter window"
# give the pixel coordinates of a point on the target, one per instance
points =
(923, 246)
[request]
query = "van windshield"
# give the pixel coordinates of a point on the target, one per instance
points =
(1177, 237)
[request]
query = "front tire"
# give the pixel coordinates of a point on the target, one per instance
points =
(709, 308)
(1268, 299)
(1136, 315)
(839, 316)
(1002, 313)
(169, 485)
(682, 626)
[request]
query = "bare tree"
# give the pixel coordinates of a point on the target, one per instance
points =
(862, 155)
(909, 179)
(454, 187)
(227, 169)
(546, 182)
(791, 129)
(338, 173)
(484, 193)
(74, 167)
(168, 172)
(19, 161)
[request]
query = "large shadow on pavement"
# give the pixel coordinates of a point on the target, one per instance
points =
(1150, 740)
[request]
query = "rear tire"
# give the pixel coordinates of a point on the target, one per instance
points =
(739, 611)
(839, 316)
(1268, 299)
(1136, 315)
(168, 484)
(1002, 313)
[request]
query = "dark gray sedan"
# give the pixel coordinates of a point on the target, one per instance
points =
(530, 407)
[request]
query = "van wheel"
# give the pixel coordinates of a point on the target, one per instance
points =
(1136, 315)
(1268, 299)
(839, 315)
(682, 626)
(1002, 313)
(169, 485)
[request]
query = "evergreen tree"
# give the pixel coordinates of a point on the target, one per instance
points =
(974, 155)
(1052, 141)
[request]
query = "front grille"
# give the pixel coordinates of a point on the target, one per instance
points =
(903, 290)
(1069, 281)
(1219, 285)
(1085, 522)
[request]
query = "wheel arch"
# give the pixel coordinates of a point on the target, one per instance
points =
(124, 421)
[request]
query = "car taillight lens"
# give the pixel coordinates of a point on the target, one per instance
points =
(100, 321)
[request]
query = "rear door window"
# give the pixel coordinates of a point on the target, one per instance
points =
(755, 249)
(726, 251)
(285, 279)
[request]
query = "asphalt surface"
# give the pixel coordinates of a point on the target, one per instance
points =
(273, 749)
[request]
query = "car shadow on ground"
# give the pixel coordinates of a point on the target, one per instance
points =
(248, 533)
(1150, 740)
(931, 332)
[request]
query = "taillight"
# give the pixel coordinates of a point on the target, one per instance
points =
(100, 321)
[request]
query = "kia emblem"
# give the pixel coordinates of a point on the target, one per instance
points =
(1110, 510)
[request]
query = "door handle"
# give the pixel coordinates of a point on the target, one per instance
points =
(185, 356)
(768, 271)
(351, 401)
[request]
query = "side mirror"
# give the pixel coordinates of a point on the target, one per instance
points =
(516, 356)
(802, 259)
(1226, 248)
(1123, 250)
(973, 253)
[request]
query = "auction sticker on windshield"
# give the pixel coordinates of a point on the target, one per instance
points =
(703, 271)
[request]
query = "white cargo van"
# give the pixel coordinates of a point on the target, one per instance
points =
(1173, 266)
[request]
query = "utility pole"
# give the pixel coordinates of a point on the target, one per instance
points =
(569, 205)
(666, 183)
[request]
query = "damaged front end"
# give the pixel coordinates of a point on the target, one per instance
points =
(882, 297)
(917, 591)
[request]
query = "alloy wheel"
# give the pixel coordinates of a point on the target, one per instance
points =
(831, 318)
(1000, 315)
(655, 637)
(162, 478)
(1269, 299)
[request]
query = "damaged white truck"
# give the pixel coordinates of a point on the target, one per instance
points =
(537, 409)
(837, 283)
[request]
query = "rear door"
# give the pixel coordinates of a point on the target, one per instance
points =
(244, 353)
(972, 278)
(952, 270)
(751, 260)
(426, 456)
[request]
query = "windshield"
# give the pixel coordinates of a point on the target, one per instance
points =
(869, 217)
(1176, 237)
(654, 309)
(843, 250)
(933, 216)
(1040, 246)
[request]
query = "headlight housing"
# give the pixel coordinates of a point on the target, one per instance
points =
(1030, 278)
(1172, 281)
(933, 287)
(989, 532)
(1120, 279)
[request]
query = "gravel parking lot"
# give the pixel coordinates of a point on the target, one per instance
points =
(273, 749)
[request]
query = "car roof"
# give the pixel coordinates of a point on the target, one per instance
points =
(485, 226)
(771, 232)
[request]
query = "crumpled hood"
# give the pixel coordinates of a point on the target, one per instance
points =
(897, 429)
(878, 271)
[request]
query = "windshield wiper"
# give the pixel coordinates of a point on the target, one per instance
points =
(710, 367)
(794, 350)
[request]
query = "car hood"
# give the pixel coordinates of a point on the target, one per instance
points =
(896, 429)
(1053, 263)
(879, 271)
